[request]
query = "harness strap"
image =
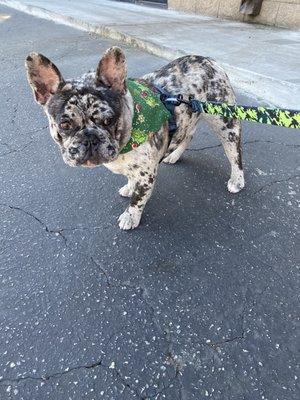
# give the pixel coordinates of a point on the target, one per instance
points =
(165, 98)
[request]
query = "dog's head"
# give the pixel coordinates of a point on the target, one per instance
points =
(90, 118)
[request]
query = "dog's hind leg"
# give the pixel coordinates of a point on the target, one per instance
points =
(174, 156)
(182, 138)
(229, 132)
(186, 128)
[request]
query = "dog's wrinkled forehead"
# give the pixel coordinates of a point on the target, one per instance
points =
(84, 103)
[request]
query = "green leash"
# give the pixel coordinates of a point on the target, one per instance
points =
(262, 115)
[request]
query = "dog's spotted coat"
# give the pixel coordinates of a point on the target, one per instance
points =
(90, 119)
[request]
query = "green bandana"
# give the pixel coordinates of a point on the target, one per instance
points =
(149, 114)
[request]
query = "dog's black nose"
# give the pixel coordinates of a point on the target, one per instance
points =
(73, 150)
(89, 132)
(111, 151)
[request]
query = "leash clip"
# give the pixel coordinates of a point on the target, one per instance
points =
(195, 105)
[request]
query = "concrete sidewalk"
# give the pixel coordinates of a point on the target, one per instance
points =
(263, 61)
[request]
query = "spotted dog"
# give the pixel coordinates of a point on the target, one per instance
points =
(91, 118)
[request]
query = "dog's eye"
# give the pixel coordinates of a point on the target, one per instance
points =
(107, 121)
(65, 125)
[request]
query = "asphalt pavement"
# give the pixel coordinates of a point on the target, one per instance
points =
(201, 301)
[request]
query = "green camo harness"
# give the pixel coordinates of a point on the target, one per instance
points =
(153, 107)
(149, 114)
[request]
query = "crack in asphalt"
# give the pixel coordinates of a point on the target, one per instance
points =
(140, 289)
(242, 336)
(80, 228)
(19, 149)
(246, 142)
(271, 142)
(13, 150)
(162, 391)
(43, 378)
(98, 364)
(277, 181)
(35, 130)
(56, 232)
(272, 269)
(126, 384)
(205, 148)
(103, 271)
(230, 340)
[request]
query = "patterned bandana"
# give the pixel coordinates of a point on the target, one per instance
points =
(149, 114)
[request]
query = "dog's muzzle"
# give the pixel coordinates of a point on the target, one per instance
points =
(91, 147)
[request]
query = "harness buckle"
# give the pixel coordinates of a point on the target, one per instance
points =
(194, 104)
(175, 101)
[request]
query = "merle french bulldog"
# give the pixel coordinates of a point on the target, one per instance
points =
(91, 119)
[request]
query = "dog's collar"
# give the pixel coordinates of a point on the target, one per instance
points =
(149, 113)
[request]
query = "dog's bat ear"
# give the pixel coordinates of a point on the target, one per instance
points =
(112, 69)
(43, 77)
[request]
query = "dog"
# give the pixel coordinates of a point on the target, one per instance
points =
(91, 119)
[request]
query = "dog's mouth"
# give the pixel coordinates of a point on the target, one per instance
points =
(89, 158)
(86, 162)
(90, 164)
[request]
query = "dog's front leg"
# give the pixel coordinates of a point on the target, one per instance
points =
(128, 189)
(143, 188)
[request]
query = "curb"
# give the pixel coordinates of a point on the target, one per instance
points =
(274, 91)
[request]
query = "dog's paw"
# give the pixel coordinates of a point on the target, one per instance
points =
(172, 158)
(130, 219)
(236, 185)
(125, 191)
